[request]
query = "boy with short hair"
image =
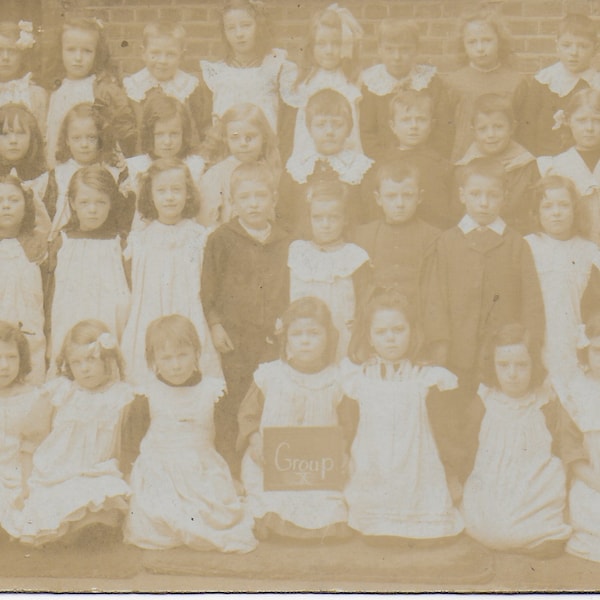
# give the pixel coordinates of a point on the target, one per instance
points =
(552, 88)
(411, 122)
(398, 242)
(163, 48)
(244, 289)
(329, 122)
(397, 47)
(481, 276)
(493, 127)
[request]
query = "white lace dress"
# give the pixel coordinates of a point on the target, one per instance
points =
(328, 276)
(22, 301)
(75, 469)
(166, 262)
(397, 484)
(564, 268)
(182, 491)
(294, 399)
(90, 283)
(515, 496)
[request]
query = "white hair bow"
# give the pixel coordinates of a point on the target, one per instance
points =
(351, 29)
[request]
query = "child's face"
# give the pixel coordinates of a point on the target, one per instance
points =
(327, 220)
(240, 32)
(12, 209)
(575, 52)
(9, 363)
(327, 50)
(513, 369)
(175, 363)
(14, 142)
(254, 202)
(482, 197)
(585, 127)
(329, 133)
(168, 137)
(306, 343)
(593, 355)
(10, 59)
(492, 132)
(244, 140)
(411, 124)
(87, 366)
(398, 199)
(162, 56)
(79, 52)
(82, 140)
(397, 56)
(169, 194)
(91, 207)
(390, 334)
(481, 44)
(557, 215)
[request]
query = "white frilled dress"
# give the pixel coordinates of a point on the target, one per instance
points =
(397, 484)
(63, 174)
(22, 301)
(24, 91)
(166, 261)
(515, 496)
(570, 164)
(62, 100)
(182, 491)
(258, 85)
(137, 166)
(328, 276)
(22, 417)
(90, 283)
(582, 400)
(564, 269)
(75, 469)
(298, 96)
(294, 399)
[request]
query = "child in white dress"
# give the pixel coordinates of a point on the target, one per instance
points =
(166, 132)
(580, 394)
(330, 62)
(252, 68)
(515, 497)
(24, 419)
(326, 266)
(16, 83)
(166, 262)
(397, 485)
(85, 272)
(581, 162)
(242, 135)
(163, 48)
(83, 140)
(84, 73)
(302, 389)
(567, 266)
(22, 250)
(75, 484)
(182, 491)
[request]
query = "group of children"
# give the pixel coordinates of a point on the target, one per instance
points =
(409, 257)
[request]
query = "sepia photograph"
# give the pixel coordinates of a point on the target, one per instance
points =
(299, 295)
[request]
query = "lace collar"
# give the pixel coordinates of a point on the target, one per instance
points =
(378, 81)
(179, 87)
(350, 166)
(562, 82)
(16, 86)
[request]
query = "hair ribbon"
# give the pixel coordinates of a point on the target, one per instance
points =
(351, 29)
(26, 39)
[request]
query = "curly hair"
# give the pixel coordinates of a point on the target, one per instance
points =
(146, 204)
(28, 222)
(10, 333)
(555, 182)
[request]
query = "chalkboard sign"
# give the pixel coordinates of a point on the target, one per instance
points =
(303, 458)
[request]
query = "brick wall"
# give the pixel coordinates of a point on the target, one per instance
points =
(532, 22)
